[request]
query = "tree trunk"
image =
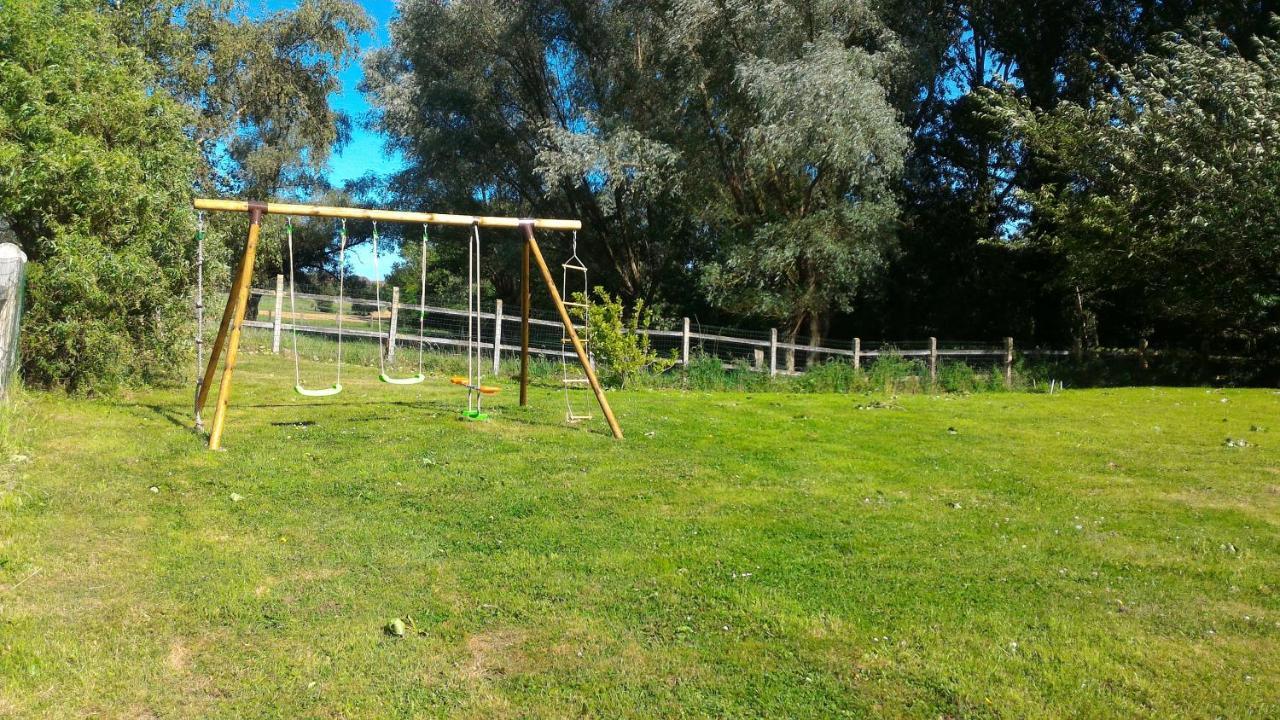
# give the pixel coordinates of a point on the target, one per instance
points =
(817, 329)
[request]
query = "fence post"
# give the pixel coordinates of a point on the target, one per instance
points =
(1008, 362)
(684, 344)
(395, 316)
(1142, 354)
(497, 335)
(773, 351)
(857, 353)
(933, 360)
(278, 315)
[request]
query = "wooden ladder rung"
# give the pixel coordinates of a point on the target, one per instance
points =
(570, 303)
(576, 381)
(582, 340)
(576, 418)
(570, 266)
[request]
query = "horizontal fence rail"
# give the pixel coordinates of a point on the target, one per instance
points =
(445, 327)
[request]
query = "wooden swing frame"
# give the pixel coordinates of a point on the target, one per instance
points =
(228, 338)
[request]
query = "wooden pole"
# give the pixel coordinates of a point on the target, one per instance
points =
(532, 245)
(219, 340)
(497, 336)
(524, 319)
(240, 299)
(380, 215)
(857, 353)
(278, 315)
(391, 332)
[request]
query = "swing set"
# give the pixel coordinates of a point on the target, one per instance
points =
(227, 341)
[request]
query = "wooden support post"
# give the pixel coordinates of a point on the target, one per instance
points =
(395, 318)
(219, 340)
(684, 344)
(933, 360)
(857, 353)
(497, 336)
(524, 318)
(278, 315)
(773, 351)
(240, 299)
(532, 245)
(1142, 354)
(1008, 362)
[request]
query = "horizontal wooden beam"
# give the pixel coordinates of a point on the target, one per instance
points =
(396, 216)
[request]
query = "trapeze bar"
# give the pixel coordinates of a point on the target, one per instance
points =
(381, 215)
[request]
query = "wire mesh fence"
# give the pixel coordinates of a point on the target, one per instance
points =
(440, 325)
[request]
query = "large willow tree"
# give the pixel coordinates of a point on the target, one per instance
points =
(744, 151)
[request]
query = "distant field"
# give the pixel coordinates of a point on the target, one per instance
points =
(1088, 554)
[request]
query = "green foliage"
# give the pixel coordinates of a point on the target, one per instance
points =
(1167, 201)
(259, 86)
(744, 150)
(96, 183)
(613, 339)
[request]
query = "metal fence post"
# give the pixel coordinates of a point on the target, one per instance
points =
(278, 315)
(1008, 362)
(773, 351)
(684, 344)
(497, 336)
(933, 360)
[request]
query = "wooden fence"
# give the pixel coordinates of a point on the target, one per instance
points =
(764, 353)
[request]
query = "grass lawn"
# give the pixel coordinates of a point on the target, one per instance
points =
(1088, 554)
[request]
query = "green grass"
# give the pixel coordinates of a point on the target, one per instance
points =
(1087, 554)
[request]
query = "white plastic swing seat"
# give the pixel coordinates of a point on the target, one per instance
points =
(414, 380)
(321, 392)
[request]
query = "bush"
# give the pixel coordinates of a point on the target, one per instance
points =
(958, 377)
(97, 184)
(615, 342)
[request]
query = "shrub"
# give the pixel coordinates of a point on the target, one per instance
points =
(97, 184)
(958, 377)
(615, 342)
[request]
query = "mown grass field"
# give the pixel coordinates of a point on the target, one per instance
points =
(1088, 554)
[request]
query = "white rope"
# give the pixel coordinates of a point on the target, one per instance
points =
(293, 303)
(471, 380)
(377, 308)
(475, 231)
(422, 299)
(199, 315)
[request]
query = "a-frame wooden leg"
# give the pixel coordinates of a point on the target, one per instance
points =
(240, 298)
(219, 341)
(532, 245)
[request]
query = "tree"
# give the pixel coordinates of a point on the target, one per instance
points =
(97, 185)
(685, 134)
(1168, 203)
(259, 87)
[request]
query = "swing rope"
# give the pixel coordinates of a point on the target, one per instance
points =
(475, 364)
(293, 314)
(199, 422)
(377, 292)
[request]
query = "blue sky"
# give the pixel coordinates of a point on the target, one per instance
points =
(365, 153)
